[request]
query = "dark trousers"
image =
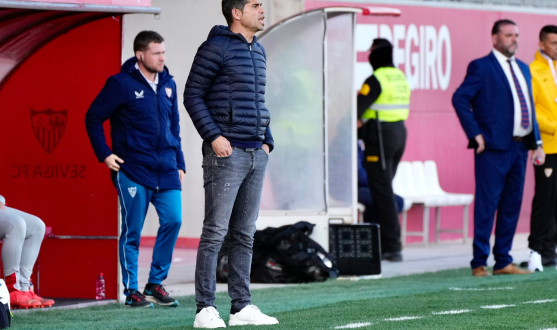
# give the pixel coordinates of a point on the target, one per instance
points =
(380, 180)
(370, 215)
(499, 188)
(543, 219)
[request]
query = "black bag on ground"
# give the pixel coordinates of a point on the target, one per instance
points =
(284, 255)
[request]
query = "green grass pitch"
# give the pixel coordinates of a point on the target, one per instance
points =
(444, 300)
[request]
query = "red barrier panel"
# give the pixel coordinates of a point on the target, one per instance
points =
(433, 46)
(48, 167)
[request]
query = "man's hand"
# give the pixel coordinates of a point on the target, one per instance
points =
(538, 157)
(182, 175)
(112, 162)
(481, 143)
(265, 147)
(222, 147)
(359, 124)
(2, 206)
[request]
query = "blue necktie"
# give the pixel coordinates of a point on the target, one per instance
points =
(523, 106)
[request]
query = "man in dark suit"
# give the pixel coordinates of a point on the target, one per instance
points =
(495, 107)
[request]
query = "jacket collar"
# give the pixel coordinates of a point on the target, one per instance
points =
(221, 30)
(499, 69)
(129, 68)
(548, 62)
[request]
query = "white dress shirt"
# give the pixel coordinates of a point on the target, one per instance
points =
(153, 84)
(518, 130)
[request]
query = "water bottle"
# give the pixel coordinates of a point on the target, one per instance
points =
(100, 287)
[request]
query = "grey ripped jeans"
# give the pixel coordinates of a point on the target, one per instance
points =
(233, 188)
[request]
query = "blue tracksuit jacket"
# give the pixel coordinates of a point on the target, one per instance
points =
(144, 127)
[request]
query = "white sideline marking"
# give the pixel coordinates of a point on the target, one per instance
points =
(497, 306)
(354, 325)
(482, 289)
(540, 301)
(452, 312)
(550, 329)
(404, 318)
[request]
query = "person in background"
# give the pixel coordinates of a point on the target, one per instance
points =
(23, 235)
(383, 106)
(146, 160)
(544, 88)
(495, 107)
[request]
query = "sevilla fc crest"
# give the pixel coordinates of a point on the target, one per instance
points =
(49, 127)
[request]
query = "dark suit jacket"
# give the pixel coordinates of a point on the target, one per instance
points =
(484, 105)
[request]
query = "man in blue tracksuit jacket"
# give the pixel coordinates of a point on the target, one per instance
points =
(146, 160)
(225, 98)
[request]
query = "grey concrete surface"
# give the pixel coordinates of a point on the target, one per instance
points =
(417, 259)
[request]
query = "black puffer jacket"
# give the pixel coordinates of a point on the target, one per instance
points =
(225, 91)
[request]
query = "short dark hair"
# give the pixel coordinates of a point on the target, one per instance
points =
(499, 23)
(228, 5)
(144, 38)
(547, 30)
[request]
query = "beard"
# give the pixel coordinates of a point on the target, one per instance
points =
(151, 69)
(509, 50)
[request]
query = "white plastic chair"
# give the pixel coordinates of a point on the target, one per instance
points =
(432, 177)
(419, 183)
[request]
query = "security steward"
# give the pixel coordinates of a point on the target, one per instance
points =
(383, 106)
(544, 89)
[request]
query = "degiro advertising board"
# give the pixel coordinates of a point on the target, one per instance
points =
(433, 45)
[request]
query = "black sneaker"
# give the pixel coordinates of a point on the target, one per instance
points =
(136, 299)
(156, 293)
(392, 256)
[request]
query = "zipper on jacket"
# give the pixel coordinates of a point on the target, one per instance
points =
(158, 139)
(258, 124)
(230, 116)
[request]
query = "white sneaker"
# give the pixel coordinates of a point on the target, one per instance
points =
(208, 318)
(251, 315)
(535, 262)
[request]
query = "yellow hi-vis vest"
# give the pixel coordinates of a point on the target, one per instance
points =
(393, 104)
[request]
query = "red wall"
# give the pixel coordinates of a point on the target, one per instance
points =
(434, 131)
(62, 182)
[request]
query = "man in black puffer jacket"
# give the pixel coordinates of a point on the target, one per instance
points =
(225, 97)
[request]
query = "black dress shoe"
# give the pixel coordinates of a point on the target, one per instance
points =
(392, 256)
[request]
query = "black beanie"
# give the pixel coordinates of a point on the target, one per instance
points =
(382, 54)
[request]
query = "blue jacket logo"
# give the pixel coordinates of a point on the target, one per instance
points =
(139, 95)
